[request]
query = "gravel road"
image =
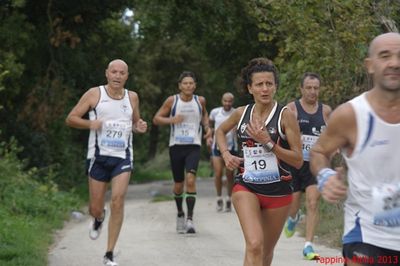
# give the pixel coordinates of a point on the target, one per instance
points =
(148, 236)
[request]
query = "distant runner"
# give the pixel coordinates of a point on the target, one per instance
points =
(186, 114)
(217, 116)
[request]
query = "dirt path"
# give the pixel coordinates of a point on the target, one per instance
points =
(148, 236)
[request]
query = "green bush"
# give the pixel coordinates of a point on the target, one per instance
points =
(30, 210)
(156, 169)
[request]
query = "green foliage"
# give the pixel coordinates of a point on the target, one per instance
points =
(51, 52)
(212, 38)
(13, 47)
(30, 210)
(328, 37)
(61, 49)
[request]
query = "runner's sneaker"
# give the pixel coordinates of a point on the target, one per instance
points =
(290, 225)
(95, 227)
(190, 227)
(108, 260)
(220, 205)
(228, 206)
(180, 224)
(309, 253)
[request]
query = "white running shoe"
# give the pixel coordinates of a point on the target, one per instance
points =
(180, 224)
(190, 227)
(95, 227)
(228, 206)
(220, 205)
(109, 262)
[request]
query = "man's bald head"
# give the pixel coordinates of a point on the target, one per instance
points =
(227, 101)
(117, 74)
(383, 62)
(119, 62)
(382, 39)
(228, 95)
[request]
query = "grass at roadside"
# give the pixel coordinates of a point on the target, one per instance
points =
(330, 227)
(30, 211)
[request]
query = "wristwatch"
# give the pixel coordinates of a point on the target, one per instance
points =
(269, 146)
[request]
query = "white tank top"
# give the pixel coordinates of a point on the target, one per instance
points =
(372, 208)
(189, 131)
(219, 115)
(114, 138)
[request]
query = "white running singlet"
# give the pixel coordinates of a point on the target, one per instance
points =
(115, 137)
(219, 115)
(189, 131)
(372, 208)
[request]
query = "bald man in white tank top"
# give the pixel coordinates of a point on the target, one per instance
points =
(113, 116)
(367, 130)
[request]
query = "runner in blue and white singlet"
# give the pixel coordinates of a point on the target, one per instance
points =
(114, 138)
(186, 115)
(113, 116)
(189, 131)
(366, 129)
(372, 208)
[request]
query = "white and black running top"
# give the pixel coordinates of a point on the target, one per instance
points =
(262, 172)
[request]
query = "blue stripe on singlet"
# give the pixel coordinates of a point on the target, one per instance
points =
(355, 235)
(96, 142)
(173, 112)
(371, 122)
(196, 98)
(127, 150)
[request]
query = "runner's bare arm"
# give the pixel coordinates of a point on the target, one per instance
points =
(87, 102)
(340, 133)
(290, 126)
(162, 116)
(292, 107)
(139, 126)
(326, 111)
(231, 162)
